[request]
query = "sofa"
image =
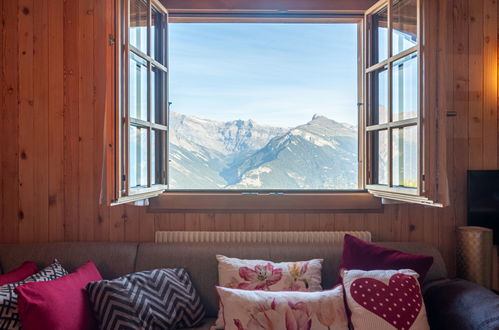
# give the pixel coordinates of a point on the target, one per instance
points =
(451, 304)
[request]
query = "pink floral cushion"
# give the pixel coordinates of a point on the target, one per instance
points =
(290, 310)
(266, 275)
(385, 299)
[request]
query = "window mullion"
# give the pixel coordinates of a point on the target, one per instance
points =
(390, 97)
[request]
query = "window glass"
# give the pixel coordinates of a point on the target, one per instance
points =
(380, 96)
(138, 156)
(138, 25)
(404, 27)
(157, 151)
(157, 36)
(405, 156)
(405, 88)
(380, 156)
(137, 87)
(158, 95)
(251, 110)
(379, 33)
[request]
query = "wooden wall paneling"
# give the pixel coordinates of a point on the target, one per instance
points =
(415, 224)
(252, 222)
(207, 221)
(146, 225)
(490, 83)
(86, 195)
(222, 222)
(102, 52)
(26, 123)
(296, 222)
(117, 218)
(237, 222)
(475, 72)
(372, 224)
(192, 221)
(40, 120)
(312, 222)
(282, 221)
(72, 58)
(56, 120)
(132, 223)
(326, 221)
(10, 124)
(162, 222)
(177, 221)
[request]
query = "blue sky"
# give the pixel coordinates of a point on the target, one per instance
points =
(277, 74)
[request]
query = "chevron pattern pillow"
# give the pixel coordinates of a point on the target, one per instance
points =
(155, 299)
(9, 313)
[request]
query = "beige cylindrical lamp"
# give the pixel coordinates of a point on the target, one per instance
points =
(474, 254)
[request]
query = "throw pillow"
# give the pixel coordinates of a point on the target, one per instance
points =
(385, 299)
(28, 268)
(245, 309)
(155, 299)
(9, 314)
(61, 304)
(266, 275)
(361, 255)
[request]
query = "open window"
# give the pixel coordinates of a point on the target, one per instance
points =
(142, 100)
(402, 131)
(395, 126)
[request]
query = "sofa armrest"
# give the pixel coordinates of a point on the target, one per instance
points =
(459, 304)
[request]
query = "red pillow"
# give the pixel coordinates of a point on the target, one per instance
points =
(361, 255)
(58, 304)
(27, 269)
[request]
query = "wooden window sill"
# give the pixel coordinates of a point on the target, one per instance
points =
(231, 202)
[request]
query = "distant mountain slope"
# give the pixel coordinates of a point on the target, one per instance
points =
(321, 154)
(208, 154)
(201, 149)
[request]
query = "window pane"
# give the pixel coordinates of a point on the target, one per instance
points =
(379, 97)
(138, 156)
(157, 149)
(405, 25)
(260, 113)
(405, 88)
(158, 96)
(405, 156)
(138, 25)
(157, 36)
(138, 87)
(379, 51)
(380, 157)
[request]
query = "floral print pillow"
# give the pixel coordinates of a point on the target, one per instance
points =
(269, 276)
(251, 310)
(266, 275)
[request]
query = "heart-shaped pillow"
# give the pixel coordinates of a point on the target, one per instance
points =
(385, 299)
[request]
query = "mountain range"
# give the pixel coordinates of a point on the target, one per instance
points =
(243, 154)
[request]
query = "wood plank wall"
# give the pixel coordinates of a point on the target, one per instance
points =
(52, 59)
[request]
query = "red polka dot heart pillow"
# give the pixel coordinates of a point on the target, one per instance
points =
(385, 299)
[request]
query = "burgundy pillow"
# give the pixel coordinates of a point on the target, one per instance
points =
(361, 255)
(27, 269)
(58, 304)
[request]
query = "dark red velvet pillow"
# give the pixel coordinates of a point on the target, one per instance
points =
(361, 255)
(27, 269)
(60, 304)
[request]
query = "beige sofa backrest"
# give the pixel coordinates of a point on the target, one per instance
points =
(116, 259)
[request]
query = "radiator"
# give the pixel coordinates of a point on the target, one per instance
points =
(257, 237)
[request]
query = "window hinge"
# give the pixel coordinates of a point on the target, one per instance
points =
(423, 178)
(111, 40)
(123, 177)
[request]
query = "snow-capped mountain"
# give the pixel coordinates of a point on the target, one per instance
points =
(208, 154)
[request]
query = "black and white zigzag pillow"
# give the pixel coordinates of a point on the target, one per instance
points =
(9, 314)
(155, 299)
